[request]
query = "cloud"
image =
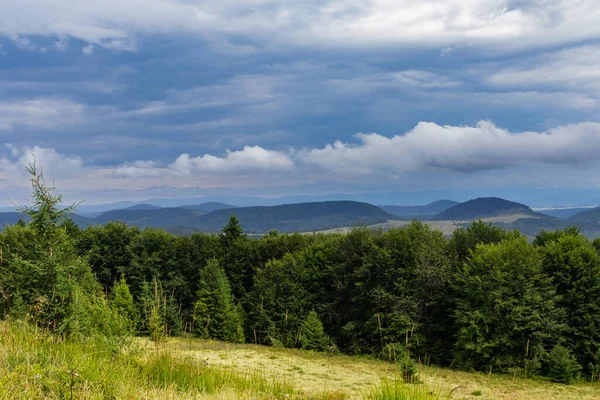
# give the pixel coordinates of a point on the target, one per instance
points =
(574, 68)
(251, 158)
(61, 45)
(428, 154)
(458, 148)
(54, 164)
(40, 113)
(88, 50)
(115, 24)
(138, 169)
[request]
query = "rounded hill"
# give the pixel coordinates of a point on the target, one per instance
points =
(484, 207)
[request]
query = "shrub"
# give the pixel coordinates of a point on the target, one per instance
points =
(396, 353)
(562, 367)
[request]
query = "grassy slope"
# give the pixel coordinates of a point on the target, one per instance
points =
(37, 366)
(354, 377)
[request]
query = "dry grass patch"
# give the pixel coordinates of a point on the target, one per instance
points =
(354, 377)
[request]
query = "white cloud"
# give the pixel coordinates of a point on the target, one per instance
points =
(458, 148)
(61, 45)
(440, 23)
(574, 68)
(251, 158)
(39, 113)
(139, 169)
(88, 50)
(427, 153)
(54, 164)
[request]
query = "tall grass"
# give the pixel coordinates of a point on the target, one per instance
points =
(37, 365)
(399, 390)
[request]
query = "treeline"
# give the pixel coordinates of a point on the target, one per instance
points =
(484, 299)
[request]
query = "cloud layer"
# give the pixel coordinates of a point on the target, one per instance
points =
(459, 148)
(131, 95)
(428, 147)
(117, 24)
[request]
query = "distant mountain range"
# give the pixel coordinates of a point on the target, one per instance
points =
(418, 212)
(317, 216)
(211, 217)
(564, 213)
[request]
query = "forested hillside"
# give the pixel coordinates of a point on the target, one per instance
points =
(301, 217)
(484, 207)
(211, 217)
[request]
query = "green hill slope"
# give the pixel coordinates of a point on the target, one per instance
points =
(484, 207)
(591, 215)
(302, 217)
(157, 218)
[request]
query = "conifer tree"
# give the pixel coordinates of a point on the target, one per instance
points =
(155, 313)
(235, 250)
(122, 302)
(313, 336)
(48, 274)
(231, 232)
(216, 316)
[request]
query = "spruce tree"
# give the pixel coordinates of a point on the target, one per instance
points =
(562, 366)
(216, 316)
(313, 336)
(122, 302)
(231, 232)
(155, 314)
(48, 274)
(235, 249)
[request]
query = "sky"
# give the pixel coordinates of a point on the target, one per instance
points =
(130, 99)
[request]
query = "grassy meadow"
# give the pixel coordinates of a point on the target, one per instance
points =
(35, 365)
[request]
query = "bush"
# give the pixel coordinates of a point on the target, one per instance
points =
(396, 353)
(531, 367)
(562, 367)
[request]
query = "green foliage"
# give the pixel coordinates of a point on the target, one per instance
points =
(45, 212)
(121, 301)
(18, 308)
(594, 367)
(465, 240)
(216, 315)
(106, 248)
(562, 366)
(506, 304)
(231, 232)
(313, 336)
(277, 302)
(154, 309)
(573, 264)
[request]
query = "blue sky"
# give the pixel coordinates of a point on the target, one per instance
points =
(128, 99)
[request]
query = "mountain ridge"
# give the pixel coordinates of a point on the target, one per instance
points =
(484, 207)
